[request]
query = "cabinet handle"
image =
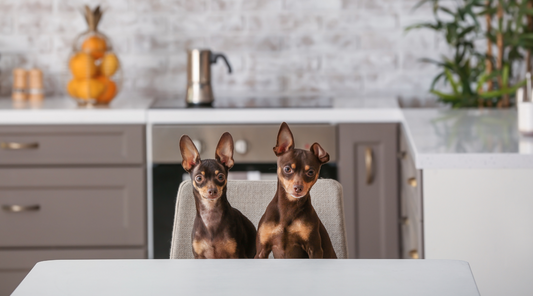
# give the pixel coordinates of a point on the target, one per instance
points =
(402, 154)
(19, 208)
(404, 221)
(369, 163)
(413, 254)
(18, 146)
(412, 182)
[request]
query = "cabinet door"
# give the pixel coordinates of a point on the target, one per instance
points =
(72, 207)
(368, 172)
(410, 203)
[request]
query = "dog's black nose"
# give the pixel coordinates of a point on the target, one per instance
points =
(212, 191)
(298, 188)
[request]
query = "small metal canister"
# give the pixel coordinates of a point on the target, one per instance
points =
(199, 90)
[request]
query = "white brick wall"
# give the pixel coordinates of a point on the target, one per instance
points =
(348, 48)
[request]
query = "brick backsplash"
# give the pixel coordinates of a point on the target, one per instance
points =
(347, 48)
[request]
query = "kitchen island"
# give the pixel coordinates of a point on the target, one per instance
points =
(470, 174)
(475, 179)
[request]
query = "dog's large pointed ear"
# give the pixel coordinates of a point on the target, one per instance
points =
(224, 151)
(285, 140)
(320, 153)
(189, 153)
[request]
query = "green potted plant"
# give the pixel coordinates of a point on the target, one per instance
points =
(481, 76)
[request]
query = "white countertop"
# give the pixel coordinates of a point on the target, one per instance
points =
(462, 139)
(439, 139)
(64, 110)
(134, 110)
(249, 277)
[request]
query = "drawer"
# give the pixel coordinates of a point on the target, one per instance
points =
(15, 264)
(62, 207)
(410, 179)
(81, 144)
(411, 204)
(410, 192)
(9, 280)
(259, 140)
(411, 239)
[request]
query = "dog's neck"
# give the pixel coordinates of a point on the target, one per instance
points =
(289, 207)
(211, 212)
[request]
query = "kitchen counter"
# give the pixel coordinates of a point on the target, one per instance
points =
(466, 139)
(473, 166)
(341, 110)
(63, 110)
(445, 139)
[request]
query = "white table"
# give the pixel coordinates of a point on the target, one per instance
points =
(249, 277)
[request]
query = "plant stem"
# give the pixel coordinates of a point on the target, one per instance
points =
(488, 61)
(530, 27)
(499, 62)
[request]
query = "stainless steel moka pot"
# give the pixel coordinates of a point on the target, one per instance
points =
(199, 91)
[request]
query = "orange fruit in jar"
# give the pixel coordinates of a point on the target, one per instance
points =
(72, 88)
(110, 90)
(89, 88)
(82, 66)
(109, 65)
(95, 46)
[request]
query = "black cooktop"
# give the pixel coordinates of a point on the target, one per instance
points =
(251, 102)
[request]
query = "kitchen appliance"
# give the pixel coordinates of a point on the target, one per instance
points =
(199, 90)
(253, 155)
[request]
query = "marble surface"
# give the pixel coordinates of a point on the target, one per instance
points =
(341, 110)
(125, 109)
(134, 110)
(438, 138)
(446, 139)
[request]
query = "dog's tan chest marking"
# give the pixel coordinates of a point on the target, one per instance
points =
(268, 230)
(301, 229)
(218, 249)
(229, 246)
(201, 247)
(297, 227)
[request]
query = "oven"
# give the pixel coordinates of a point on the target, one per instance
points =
(253, 155)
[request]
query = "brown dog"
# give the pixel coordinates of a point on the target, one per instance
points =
(219, 231)
(290, 227)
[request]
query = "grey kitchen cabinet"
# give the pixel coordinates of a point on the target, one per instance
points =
(71, 145)
(410, 204)
(70, 192)
(368, 172)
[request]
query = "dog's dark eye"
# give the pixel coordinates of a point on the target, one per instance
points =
(221, 177)
(287, 169)
(199, 178)
(310, 173)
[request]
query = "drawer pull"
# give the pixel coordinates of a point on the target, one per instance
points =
(413, 254)
(369, 163)
(404, 221)
(18, 146)
(18, 208)
(402, 154)
(412, 182)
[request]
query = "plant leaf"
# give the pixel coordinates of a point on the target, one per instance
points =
(449, 77)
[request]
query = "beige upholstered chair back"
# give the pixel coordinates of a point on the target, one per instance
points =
(252, 198)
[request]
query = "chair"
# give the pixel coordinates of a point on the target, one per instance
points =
(252, 198)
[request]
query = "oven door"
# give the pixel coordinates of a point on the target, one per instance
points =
(254, 160)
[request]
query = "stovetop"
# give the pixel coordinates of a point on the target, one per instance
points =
(250, 102)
